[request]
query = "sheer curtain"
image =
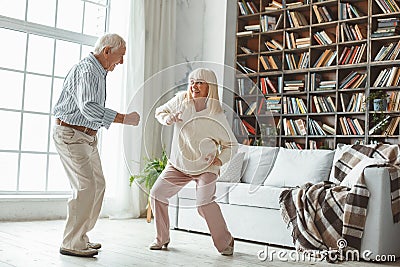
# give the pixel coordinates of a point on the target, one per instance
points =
(150, 37)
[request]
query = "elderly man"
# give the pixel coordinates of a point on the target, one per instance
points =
(80, 112)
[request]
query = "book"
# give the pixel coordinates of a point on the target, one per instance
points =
(271, 85)
(300, 125)
(351, 126)
(251, 109)
(254, 27)
(252, 7)
(244, 33)
(277, 44)
(246, 50)
(260, 106)
(342, 103)
(328, 129)
(323, 58)
(270, 46)
(277, 4)
(279, 22)
(242, 67)
(243, 9)
(317, 14)
(249, 128)
(265, 63)
(358, 126)
(327, 13)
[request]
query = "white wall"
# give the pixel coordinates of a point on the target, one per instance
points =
(203, 28)
(189, 30)
(206, 32)
(18, 208)
(214, 30)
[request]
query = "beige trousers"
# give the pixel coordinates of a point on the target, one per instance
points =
(171, 182)
(80, 158)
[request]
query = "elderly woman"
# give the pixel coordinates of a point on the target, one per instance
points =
(202, 142)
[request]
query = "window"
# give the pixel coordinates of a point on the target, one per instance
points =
(37, 51)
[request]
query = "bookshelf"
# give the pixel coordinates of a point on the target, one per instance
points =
(316, 66)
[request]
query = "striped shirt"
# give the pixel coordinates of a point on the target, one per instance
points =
(83, 96)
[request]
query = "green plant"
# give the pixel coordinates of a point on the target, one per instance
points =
(378, 95)
(379, 101)
(152, 169)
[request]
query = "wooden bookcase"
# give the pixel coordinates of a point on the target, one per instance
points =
(317, 92)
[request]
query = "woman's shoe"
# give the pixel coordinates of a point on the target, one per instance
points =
(156, 246)
(229, 250)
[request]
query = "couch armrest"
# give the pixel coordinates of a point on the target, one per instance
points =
(173, 211)
(380, 233)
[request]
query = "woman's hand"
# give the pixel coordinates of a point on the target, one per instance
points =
(174, 117)
(217, 162)
(213, 160)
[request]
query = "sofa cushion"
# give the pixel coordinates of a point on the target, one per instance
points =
(264, 197)
(257, 163)
(296, 167)
(221, 193)
(231, 171)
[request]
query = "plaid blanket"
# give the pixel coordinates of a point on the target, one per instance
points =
(321, 214)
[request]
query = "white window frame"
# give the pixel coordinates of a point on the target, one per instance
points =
(56, 34)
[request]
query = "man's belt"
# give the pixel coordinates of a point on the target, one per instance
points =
(83, 129)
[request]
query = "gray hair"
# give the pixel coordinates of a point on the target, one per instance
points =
(208, 76)
(111, 39)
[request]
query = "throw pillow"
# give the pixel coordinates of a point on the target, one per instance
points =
(257, 164)
(296, 167)
(231, 171)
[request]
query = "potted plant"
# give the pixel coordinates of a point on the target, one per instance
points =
(379, 101)
(148, 176)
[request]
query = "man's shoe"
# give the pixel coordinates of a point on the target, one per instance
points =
(94, 245)
(156, 246)
(89, 252)
(229, 250)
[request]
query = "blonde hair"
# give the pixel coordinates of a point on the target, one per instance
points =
(110, 39)
(210, 78)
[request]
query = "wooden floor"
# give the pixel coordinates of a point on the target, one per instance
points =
(36, 243)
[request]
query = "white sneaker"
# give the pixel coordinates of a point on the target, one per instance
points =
(229, 250)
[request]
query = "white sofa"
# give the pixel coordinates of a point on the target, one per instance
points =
(250, 201)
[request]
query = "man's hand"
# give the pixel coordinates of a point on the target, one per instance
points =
(174, 117)
(132, 119)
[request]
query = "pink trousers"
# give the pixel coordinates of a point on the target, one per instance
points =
(171, 182)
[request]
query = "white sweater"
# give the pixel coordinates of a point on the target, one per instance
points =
(196, 136)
